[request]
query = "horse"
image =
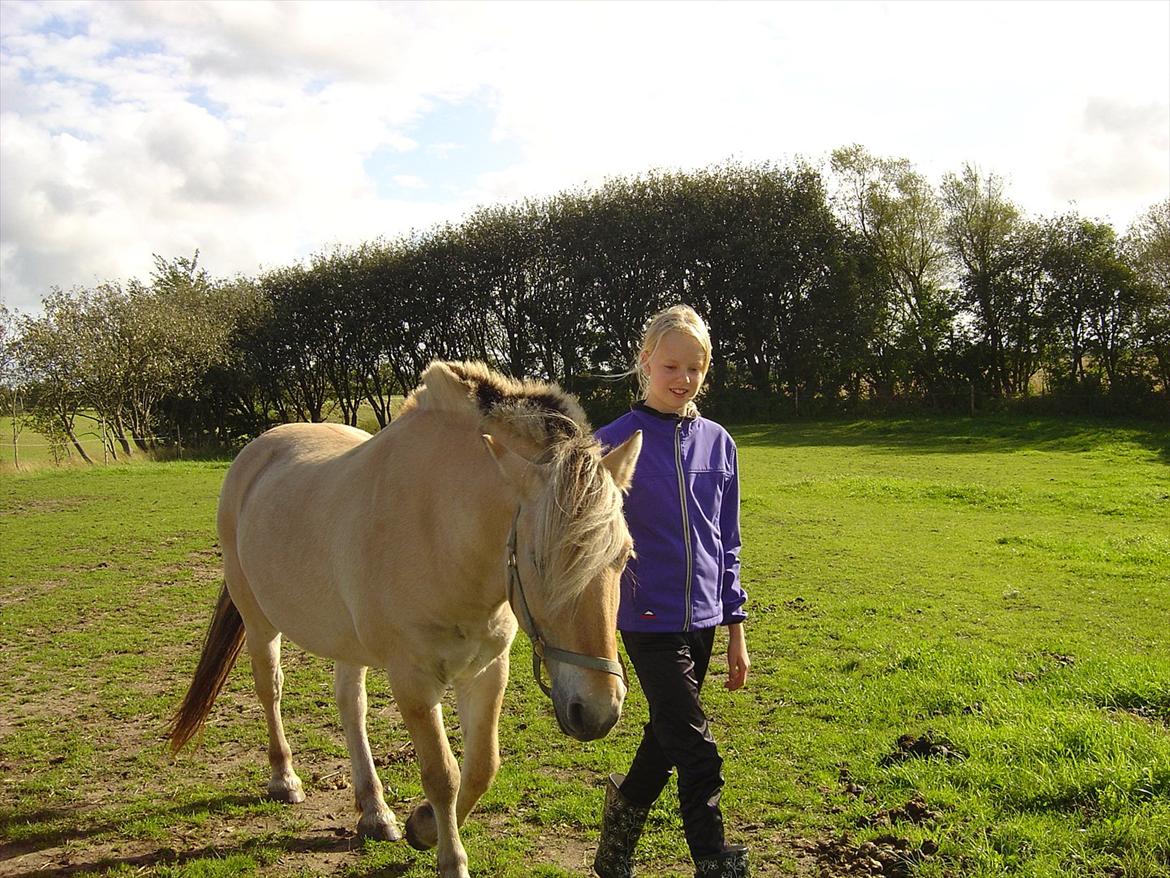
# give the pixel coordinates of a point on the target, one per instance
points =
(487, 505)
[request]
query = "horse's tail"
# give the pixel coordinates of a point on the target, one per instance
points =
(221, 648)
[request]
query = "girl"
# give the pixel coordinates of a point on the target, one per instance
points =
(683, 582)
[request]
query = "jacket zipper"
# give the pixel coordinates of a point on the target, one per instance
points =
(686, 523)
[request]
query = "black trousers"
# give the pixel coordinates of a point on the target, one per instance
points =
(671, 669)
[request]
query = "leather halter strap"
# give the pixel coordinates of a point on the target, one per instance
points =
(540, 648)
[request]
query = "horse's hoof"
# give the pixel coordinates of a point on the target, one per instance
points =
(381, 827)
(421, 832)
(288, 791)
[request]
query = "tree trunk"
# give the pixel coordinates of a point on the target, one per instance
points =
(77, 445)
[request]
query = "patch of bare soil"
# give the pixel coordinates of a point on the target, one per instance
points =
(929, 745)
(202, 565)
(888, 854)
(1146, 712)
(16, 593)
(321, 842)
(43, 505)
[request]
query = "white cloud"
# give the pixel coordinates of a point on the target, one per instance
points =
(1121, 152)
(410, 181)
(245, 129)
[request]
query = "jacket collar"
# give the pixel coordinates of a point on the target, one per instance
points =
(663, 416)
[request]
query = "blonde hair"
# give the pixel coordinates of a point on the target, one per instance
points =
(677, 318)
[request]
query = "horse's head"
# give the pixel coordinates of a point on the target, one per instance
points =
(568, 546)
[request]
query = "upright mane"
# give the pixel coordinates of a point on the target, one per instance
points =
(537, 411)
(580, 525)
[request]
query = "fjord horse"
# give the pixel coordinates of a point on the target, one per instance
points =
(416, 550)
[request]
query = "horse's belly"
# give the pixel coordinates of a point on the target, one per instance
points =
(315, 619)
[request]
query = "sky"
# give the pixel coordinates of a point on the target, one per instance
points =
(259, 133)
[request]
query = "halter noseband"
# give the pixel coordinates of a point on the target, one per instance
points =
(540, 648)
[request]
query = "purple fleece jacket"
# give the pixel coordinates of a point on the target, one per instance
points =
(683, 514)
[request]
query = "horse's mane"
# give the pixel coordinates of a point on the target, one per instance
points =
(579, 528)
(537, 411)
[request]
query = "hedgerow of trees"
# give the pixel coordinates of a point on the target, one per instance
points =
(873, 288)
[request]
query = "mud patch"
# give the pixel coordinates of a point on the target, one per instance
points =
(1138, 707)
(929, 745)
(886, 855)
(915, 811)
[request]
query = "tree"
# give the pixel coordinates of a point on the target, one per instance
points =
(10, 376)
(980, 223)
(294, 342)
(625, 263)
(1091, 299)
(52, 371)
(563, 333)
(1146, 247)
(768, 264)
(1026, 330)
(896, 212)
(499, 256)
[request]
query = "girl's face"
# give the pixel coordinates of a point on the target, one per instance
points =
(676, 371)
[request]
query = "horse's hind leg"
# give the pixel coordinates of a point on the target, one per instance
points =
(376, 820)
(264, 648)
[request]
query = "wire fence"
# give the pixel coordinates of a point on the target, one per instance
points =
(37, 450)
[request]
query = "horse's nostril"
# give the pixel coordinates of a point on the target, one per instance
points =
(576, 715)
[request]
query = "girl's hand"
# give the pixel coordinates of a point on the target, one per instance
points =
(737, 658)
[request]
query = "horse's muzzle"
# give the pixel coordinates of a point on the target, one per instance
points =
(588, 713)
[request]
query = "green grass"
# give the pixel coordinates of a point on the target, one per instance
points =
(1000, 585)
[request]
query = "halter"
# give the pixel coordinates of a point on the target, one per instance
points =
(540, 648)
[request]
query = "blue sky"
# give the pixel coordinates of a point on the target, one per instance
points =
(260, 133)
(455, 146)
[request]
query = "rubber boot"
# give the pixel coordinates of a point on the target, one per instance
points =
(732, 863)
(621, 827)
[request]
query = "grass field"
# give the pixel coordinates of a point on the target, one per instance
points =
(960, 636)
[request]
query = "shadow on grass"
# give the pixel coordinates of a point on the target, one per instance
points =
(318, 841)
(53, 837)
(927, 435)
(169, 857)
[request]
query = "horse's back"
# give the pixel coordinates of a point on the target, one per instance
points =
(273, 459)
(278, 497)
(304, 442)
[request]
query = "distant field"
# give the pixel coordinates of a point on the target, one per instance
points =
(33, 452)
(960, 632)
(32, 449)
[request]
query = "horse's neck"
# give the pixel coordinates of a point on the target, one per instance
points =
(441, 459)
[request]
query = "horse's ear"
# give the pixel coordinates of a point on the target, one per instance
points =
(515, 469)
(620, 462)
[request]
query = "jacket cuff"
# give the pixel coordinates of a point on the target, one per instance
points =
(734, 616)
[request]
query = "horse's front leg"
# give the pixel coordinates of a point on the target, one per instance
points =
(375, 820)
(433, 822)
(479, 700)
